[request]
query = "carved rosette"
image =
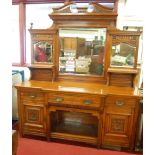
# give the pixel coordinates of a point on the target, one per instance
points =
(117, 125)
(33, 115)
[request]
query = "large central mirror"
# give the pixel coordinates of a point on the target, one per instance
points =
(82, 51)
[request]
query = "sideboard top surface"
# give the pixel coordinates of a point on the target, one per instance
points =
(79, 87)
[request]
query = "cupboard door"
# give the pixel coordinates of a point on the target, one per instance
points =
(119, 122)
(118, 128)
(33, 119)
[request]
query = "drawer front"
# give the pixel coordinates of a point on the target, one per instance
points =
(72, 100)
(120, 101)
(32, 96)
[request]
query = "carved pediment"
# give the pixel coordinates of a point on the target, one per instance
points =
(63, 9)
(99, 13)
(72, 14)
(98, 8)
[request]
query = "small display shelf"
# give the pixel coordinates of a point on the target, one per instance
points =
(42, 72)
(75, 128)
(122, 77)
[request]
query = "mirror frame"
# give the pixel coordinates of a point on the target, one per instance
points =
(101, 17)
(43, 35)
(116, 36)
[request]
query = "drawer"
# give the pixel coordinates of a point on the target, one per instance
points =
(32, 96)
(120, 101)
(74, 100)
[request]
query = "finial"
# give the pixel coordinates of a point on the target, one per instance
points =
(31, 25)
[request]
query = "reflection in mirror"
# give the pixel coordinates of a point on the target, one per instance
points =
(43, 52)
(82, 50)
(123, 55)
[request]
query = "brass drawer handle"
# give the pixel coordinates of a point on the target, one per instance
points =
(119, 103)
(87, 102)
(59, 99)
(32, 96)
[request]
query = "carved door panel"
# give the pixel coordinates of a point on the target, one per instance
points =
(117, 127)
(33, 121)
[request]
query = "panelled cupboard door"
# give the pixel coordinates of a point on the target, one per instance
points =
(33, 113)
(33, 120)
(119, 122)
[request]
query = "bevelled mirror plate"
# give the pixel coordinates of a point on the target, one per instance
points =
(82, 51)
(122, 55)
(43, 52)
